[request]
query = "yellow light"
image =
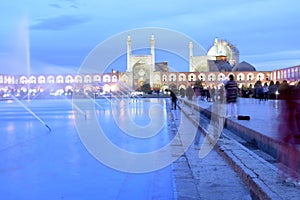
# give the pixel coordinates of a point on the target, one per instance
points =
(106, 88)
(113, 88)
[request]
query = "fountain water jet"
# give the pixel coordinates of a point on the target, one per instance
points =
(30, 111)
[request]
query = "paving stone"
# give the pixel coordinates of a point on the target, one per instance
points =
(257, 169)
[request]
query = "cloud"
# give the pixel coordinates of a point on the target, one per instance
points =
(72, 3)
(65, 4)
(54, 5)
(62, 22)
(73, 6)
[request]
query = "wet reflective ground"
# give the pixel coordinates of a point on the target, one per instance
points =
(39, 164)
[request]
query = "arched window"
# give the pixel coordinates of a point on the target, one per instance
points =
(241, 77)
(97, 78)
(41, 79)
(32, 80)
(106, 78)
(211, 77)
(172, 77)
(182, 77)
(50, 79)
(23, 79)
(250, 77)
(192, 77)
(221, 77)
(69, 79)
(87, 79)
(260, 77)
(164, 78)
(114, 78)
(59, 79)
(78, 79)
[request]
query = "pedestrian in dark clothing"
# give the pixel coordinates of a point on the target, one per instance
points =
(221, 94)
(231, 89)
(173, 98)
(266, 92)
(213, 93)
(272, 90)
(190, 93)
(260, 92)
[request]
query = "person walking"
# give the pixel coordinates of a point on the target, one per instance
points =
(266, 91)
(213, 94)
(260, 92)
(173, 98)
(190, 93)
(231, 90)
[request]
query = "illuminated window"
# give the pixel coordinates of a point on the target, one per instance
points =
(164, 78)
(41, 80)
(50, 79)
(69, 79)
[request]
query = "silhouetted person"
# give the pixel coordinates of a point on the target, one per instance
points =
(260, 92)
(231, 96)
(173, 98)
(272, 90)
(213, 94)
(266, 92)
(190, 93)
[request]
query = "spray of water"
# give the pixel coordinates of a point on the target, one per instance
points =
(31, 112)
(26, 46)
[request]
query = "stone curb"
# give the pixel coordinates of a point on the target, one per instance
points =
(260, 180)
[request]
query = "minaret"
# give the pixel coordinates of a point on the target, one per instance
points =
(129, 67)
(191, 56)
(152, 42)
(216, 46)
(152, 67)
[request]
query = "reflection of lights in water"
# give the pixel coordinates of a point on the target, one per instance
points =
(276, 100)
(10, 128)
(72, 115)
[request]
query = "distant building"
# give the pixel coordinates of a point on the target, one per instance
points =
(221, 60)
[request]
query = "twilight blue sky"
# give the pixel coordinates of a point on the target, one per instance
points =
(57, 35)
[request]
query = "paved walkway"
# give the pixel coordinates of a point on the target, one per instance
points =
(257, 169)
(206, 178)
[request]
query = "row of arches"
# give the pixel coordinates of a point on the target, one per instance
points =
(211, 77)
(59, 79)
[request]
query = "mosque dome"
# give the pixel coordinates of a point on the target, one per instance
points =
(243, 67)
(225, 49)
(219, 66)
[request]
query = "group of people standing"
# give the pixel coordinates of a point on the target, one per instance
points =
(231, 94)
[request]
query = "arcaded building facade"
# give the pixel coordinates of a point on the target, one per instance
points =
(222, 59)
